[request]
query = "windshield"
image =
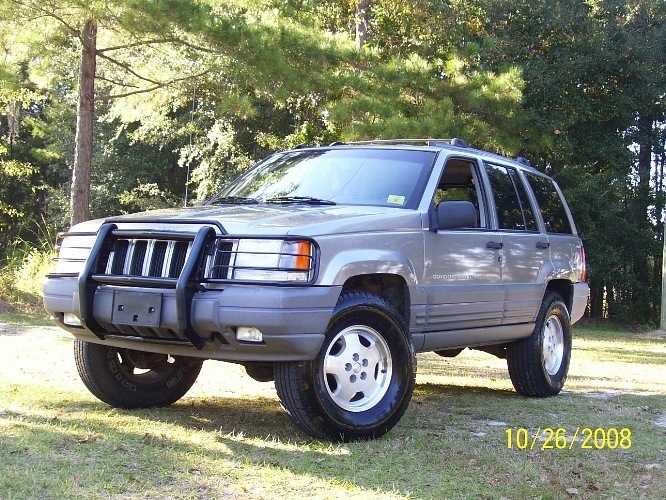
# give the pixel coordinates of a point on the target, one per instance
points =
(358, 176)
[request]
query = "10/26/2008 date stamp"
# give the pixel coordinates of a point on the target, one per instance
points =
(560, 438)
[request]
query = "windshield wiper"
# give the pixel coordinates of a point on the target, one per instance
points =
(309, 200)
(233, 200)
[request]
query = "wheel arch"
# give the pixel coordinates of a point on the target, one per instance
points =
(390, 287)
(347, 264)
(563, 289)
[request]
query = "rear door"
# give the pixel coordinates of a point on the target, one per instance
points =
(525, 249)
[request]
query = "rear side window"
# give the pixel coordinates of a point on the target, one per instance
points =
(552, 207)
(513, 208)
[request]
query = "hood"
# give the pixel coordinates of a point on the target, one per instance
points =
(267, 219)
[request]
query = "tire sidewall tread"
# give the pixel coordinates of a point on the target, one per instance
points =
(100, 372)
(525, 357)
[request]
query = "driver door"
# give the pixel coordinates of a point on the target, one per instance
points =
(463, 266)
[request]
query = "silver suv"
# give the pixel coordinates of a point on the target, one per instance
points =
(326, 269)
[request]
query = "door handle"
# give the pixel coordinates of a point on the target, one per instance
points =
(543, 245)
(493, 245)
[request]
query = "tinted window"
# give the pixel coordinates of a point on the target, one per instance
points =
(524, 199)
(552, 208)
(361, 176)
(513, 209)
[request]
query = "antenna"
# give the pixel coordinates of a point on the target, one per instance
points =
(194, 101)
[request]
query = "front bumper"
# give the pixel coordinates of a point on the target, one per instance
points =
(293, 320)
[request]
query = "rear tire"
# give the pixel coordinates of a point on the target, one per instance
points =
(539, 364)
(361, 382)
(126, 378)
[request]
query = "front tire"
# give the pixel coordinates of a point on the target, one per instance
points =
(360, 384)
(539, 364)
(126, 378)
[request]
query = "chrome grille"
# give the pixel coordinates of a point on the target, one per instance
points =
(178, 254)
(118, 257)
(148, 257)
(138, 258)
(158, 258)
(220, 262)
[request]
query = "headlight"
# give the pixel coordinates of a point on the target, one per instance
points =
(273, 260)
(73, 250)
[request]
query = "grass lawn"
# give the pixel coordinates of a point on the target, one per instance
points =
(228, 437)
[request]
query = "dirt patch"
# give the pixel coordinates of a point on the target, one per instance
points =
(6, 307)
(661, 421)
(655, 334)
(28, 306)
(9, 329)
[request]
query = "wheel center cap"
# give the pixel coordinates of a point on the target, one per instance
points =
(356, 368)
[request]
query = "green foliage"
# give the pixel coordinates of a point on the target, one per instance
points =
(23, 269)
(17, 181)
(414, 97)
(220, 160)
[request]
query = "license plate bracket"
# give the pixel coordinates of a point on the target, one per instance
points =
(136, 308)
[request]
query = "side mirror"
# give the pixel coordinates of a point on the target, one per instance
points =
(456, 215)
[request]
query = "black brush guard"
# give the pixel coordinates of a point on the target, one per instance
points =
(93, 275)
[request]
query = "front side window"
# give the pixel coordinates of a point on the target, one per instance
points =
(552, 207)
(353, 176)
(460, 182)
(513, 209)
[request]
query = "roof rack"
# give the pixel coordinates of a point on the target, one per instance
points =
(428, 142)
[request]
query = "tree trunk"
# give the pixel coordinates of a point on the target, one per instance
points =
(596, 302)
(643, 199)
(361, 22)
(80, 195)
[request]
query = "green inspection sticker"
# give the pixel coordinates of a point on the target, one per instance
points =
(394, 198)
